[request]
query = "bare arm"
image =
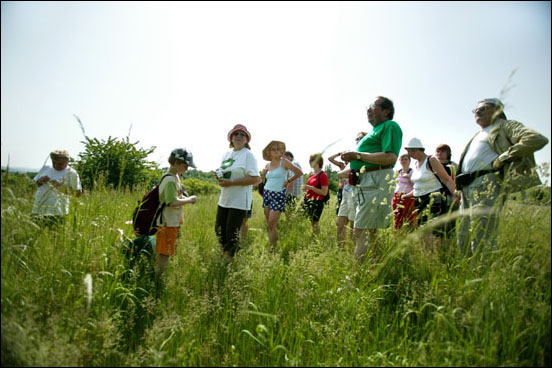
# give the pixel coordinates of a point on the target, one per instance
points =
(182, 201)
(247, 180)
(320, 191)
(339, 164)
(442, 174)
(289, 166)
(378, 158)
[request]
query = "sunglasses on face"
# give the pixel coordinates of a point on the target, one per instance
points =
(480, 109)
(239, 134)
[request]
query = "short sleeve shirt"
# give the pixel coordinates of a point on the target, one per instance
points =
(384, 137)
(48, 199)
(237, 165)
(318, 181)
(170, 190)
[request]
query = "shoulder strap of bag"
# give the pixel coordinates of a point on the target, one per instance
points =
(437, 176)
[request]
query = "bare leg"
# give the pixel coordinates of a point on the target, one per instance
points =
(341, 230)
(161, 264)
(273, 218)
(243, 229)
(361, 243)
(315, 227)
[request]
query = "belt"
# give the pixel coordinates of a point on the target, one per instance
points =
(376, 168)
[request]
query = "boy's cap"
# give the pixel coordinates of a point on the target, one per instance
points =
(184, 156)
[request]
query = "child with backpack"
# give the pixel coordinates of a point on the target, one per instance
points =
(316, 191)
(173, 198)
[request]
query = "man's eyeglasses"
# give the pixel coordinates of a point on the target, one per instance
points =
(480, 109)
(239, 134)
(372, 106)
(358, 139)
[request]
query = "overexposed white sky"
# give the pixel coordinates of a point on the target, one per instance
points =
(182, 74)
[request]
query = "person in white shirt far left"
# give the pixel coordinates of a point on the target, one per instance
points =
(55, 183)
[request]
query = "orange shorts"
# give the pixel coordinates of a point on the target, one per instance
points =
(165, 240)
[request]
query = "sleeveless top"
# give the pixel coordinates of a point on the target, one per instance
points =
(404, 184)
(276, 178)
(424, 180)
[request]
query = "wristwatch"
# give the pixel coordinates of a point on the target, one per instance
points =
(359, 157)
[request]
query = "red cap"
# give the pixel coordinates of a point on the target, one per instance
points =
(239, 127)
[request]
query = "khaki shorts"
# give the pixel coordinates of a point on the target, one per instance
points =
(347, 207)
(372, 197)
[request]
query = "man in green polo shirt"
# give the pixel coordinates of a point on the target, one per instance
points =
(374, 158)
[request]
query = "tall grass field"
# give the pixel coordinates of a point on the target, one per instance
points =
(69, 297)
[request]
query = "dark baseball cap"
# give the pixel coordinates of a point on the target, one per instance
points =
(183, 155)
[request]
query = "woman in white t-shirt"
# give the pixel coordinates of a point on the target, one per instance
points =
(238, 173)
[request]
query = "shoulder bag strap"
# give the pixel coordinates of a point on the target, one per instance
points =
(437, 176)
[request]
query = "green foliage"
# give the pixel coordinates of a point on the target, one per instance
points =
(200, 175)
(333, 180)
(198, 187)
(117, 162)
(307, 303)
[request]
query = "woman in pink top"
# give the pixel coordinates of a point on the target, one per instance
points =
(403, 208)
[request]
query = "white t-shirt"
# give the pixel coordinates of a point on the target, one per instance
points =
(237, 165)
(48, 199)
(480, 155)
(424, 180)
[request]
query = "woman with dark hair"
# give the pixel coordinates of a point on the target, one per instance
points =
(315, 191)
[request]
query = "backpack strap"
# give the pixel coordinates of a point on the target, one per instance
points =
(437, 176)
(319, 186)
(161, 204)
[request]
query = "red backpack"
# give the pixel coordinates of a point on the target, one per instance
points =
(145, 215)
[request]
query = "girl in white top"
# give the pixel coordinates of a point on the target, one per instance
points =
(239, 173)
(426, 183)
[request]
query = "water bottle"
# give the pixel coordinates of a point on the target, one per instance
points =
(218, 173)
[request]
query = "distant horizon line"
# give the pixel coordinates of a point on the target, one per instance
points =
(20, 169)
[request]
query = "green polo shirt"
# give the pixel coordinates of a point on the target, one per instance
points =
(384, 137)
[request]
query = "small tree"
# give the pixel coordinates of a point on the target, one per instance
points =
(119, 162)
(333, 179)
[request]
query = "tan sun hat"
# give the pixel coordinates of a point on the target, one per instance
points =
(266, 150)
(59, 153)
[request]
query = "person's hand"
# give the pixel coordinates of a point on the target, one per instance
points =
(457, 196)
(497, 164)
(43, 179)
(348, 156)
(225, 182)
